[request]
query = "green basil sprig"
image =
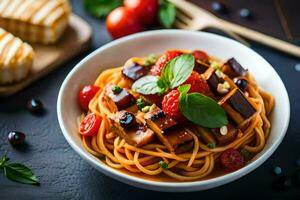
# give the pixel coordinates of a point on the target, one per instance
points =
(101, 8)
(200, 109)
(17, 172)
(146, 85)
(167, 13)
(174, 74)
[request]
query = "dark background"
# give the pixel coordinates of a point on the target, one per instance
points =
(64, 175)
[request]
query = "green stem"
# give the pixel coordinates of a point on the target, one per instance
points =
(3, 161)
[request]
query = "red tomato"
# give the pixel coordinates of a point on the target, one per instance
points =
(86, 94)
(122, 21)
(232, 160)
(90, 125)
(146, 10)
(200, 55)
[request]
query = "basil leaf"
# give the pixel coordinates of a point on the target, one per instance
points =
(167, 14)
(101, 8)
(147, 85)
(183, 89)
(20, 173)
(202, 110)
(178, 70)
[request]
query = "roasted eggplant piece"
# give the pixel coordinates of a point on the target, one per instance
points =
(200, 66)
(226, 138)
(233, 69)
(237, 106)
(158, 121)
(239, 102)
(167, 129)
(123, 99)
(134, 72)
(213, 82)
(126, 126)
(176, 137)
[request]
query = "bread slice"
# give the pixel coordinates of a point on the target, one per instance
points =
(16, 58)
(41, 21)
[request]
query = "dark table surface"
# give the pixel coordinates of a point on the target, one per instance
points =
(64, 175)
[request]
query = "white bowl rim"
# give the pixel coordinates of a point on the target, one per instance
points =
(221, 180)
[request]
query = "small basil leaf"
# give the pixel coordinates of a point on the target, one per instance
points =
(183, 89)
(150, 60)
(101, 8)
(202, 110)
(147, 85)
(178, 70)
(20, 173)
(167, 14)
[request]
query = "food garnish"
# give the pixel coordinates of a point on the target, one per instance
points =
(201, 109)
(18, 172)
(116, 89)
(163, 164)
(211, 145)
(173, 74)
(140, 103)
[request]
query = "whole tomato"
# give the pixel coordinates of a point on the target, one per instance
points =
(123, 21)
(86, 94)
(146, 10)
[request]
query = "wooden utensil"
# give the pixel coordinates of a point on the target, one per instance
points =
(192, 17)
(75, 40)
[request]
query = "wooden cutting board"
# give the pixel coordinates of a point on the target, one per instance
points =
(75, 40)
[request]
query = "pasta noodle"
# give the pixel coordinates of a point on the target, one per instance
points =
(193, 165)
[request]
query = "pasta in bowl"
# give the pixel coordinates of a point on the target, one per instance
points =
(179, 116)
(178, 120)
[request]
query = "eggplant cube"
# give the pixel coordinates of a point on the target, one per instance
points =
(134, 72)
(200, 66)
(158, 121)
(239, 102)
(213, 81)
(137, 134)
(122, 100)
(167, 129)
(176, 138)
(237, 106)
(225, 139)
(233, 69)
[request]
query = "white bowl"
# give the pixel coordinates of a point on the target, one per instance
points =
(117, 52)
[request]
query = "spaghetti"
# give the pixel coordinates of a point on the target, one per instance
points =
(194, 164)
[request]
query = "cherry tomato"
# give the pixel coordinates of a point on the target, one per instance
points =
(122, 21)
(146, 10)
(86, 94)
(90, 125)
(232, 160)
(200, 55)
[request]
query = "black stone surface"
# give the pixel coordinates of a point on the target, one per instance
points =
(64, 175)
